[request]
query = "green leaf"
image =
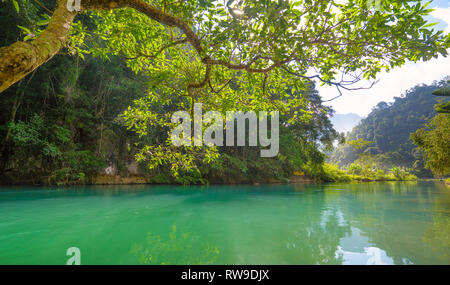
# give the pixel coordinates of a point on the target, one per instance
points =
(26, 30)
(43, 22)
(16, 5)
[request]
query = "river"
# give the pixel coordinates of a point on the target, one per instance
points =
(355, 223)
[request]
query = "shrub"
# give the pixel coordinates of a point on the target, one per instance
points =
(354, 169)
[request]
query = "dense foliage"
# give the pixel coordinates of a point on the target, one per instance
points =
(64, 124)
(434, 139)
(61, 125)
(130, 64)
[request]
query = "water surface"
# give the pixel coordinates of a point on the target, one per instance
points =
(363, 223)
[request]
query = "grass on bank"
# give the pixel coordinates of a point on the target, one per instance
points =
(355, 172)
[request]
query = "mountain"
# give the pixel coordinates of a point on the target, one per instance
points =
(345, 122)
(385, 132)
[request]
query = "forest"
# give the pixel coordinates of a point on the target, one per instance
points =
(95, 109)
(383, 140)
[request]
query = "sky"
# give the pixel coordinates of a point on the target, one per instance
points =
(398, 80)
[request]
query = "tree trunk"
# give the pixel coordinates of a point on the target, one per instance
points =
(21, 58)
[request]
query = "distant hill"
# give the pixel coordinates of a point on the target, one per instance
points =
(345, 122)
(388, 128)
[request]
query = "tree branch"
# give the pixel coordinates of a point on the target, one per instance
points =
(21, 58)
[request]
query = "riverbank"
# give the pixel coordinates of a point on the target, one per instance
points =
(141, 180)
(329, 173)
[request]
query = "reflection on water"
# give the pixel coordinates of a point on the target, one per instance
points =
(438, 236)
(370, 256)
(356, 223)
(179, 248)
(356, 249)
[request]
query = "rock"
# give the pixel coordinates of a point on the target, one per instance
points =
(103, 179)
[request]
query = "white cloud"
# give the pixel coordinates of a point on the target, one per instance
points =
(394, 83)
(391, 85)
(444, 15)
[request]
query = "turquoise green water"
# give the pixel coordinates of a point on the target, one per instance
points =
(366, 223)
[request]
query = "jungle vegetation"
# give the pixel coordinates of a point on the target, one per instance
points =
(89, 90)
(434, 139)
(382, 140)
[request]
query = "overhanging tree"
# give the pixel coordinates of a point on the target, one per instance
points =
(291, 38)
(246, 55)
